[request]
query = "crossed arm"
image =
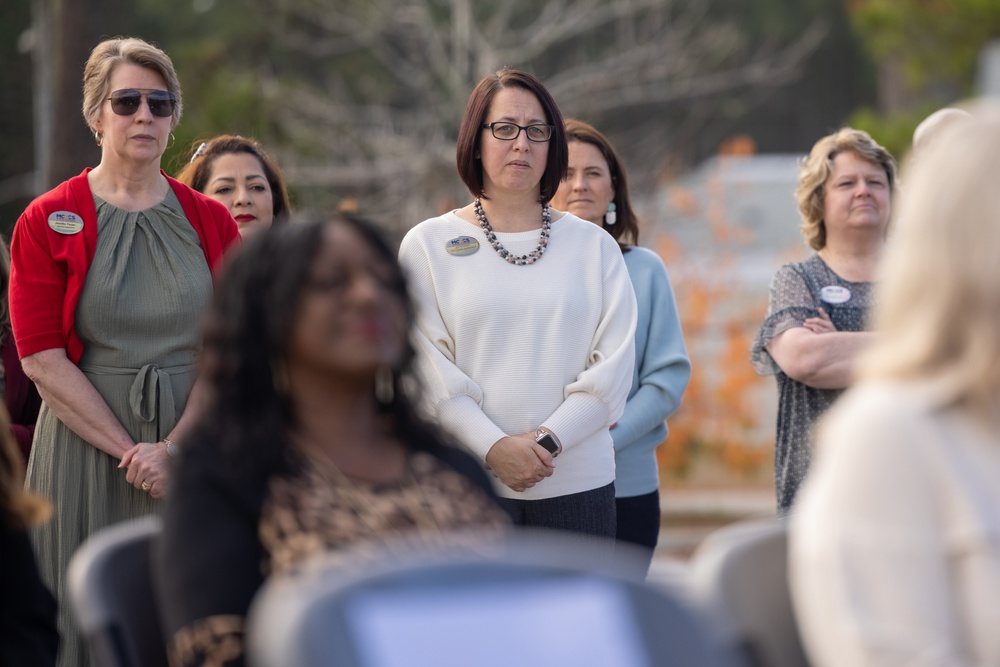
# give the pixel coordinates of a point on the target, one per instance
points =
(818, 355)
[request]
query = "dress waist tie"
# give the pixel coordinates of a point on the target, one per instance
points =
(145, 397)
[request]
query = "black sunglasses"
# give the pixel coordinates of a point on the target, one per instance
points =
(126, 101)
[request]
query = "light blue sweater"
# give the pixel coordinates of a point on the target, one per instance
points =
(662, 371)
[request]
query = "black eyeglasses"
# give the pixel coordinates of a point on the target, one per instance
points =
(126, 101)
(508, 131)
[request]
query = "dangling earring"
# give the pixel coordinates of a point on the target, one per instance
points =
(173, 140)
(385, 392)
(611, 217)
(98, 137)
(279, 377)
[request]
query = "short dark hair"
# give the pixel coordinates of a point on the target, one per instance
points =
(626, 227)
(196, 172)
(470, 167)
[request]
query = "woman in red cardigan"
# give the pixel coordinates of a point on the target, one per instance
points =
(110, 274)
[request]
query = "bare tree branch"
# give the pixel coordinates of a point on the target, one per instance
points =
(377, 111)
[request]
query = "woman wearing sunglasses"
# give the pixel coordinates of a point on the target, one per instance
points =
(526, 316)
(110, 274)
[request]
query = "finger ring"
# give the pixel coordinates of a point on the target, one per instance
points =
(146, 486)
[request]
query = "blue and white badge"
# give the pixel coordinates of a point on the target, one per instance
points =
(462, 245)
(835, 294)
(65, 222)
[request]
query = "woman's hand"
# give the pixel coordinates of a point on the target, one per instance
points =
(821, 324)
(148, 464)
(519, 462)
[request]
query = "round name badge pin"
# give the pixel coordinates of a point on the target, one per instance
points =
(835, 294)
(65, 222)
(462, 245)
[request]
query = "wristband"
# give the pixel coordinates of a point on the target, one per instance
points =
(172, 448)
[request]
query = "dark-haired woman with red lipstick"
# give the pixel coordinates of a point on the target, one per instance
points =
(238, 173)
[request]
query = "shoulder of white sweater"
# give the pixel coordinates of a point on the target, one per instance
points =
(444, 221)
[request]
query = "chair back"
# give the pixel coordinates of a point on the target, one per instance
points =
(111, 590)
(740, 575)
(526, 600)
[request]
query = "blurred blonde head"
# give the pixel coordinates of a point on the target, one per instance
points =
(938, 310)
(936, 124)
(817, 167)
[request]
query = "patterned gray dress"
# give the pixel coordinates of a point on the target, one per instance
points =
(138, 318)
(796, 294)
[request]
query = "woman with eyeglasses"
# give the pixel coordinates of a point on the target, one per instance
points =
(238, 173)
(525, 316)
(110, 274)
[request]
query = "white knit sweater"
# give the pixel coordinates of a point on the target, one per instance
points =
(504, 349)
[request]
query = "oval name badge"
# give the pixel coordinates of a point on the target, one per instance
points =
(835, 294)
(65, 222)
(462, 245)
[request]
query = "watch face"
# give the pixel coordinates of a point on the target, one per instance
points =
(548, 442)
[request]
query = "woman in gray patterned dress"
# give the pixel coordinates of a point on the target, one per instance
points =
(110, 274)
(816, 317)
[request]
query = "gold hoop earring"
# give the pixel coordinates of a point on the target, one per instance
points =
(385, 390)
(98, 137)
(173, 140)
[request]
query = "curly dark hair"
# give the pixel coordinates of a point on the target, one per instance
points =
(248, 333)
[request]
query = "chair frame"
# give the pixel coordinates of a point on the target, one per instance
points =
(111, 590)
(291, 612)
(739, 574)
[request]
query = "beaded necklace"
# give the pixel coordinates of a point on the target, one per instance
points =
(491, 236)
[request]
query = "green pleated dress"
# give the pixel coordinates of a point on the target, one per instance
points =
(138, 318)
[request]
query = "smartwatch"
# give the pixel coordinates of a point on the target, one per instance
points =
(546, 440)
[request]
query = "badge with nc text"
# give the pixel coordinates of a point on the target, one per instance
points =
(835, 294)
(462, 245)
(65, 222)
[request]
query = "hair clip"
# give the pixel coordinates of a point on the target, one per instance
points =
(198, 152)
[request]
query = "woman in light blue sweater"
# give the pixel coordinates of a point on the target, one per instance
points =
(596, 189)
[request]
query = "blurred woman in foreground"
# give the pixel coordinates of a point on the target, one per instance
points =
(28, 636)
(309, 446)
(895, 540)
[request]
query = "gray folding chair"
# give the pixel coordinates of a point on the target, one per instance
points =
(530, 599)
(740, 575)
(111, 589)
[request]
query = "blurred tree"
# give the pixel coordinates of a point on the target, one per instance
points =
(50, 40)
(369, 93)
(927, 52)
(17, 181)
(361, 99)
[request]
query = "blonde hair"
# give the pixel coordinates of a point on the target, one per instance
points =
(128, 51)
(816, 168)
(939, 301)
(18, 508)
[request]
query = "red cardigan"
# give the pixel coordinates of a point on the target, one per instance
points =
(48, 268)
